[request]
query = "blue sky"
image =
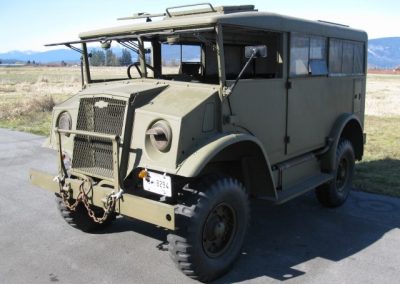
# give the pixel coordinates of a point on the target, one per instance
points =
(28, 24)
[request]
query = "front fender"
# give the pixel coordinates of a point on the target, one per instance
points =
(193, 165)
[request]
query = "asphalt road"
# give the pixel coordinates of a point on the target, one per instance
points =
(298, 242)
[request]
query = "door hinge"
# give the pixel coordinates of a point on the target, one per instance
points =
(287, 139)
(288, 85)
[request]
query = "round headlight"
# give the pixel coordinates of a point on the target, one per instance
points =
(64, 121)
(160, 135)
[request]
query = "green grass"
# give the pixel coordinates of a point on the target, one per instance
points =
(37, 123)
(379, 171)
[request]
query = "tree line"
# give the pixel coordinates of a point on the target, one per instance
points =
(109, 58)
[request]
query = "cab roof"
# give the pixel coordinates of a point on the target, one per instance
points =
(243, 15)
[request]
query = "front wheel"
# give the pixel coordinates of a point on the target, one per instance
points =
(212, 223)
(80, 218)
(335, 193)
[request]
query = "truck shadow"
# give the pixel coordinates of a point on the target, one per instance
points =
(381, 176)
(283, 238)
(124, 224)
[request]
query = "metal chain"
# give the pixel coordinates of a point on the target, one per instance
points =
(65, 196)
(82, 197)
(110, 203)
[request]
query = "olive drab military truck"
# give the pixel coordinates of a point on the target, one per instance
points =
(259, 105)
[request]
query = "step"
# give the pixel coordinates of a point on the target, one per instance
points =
(303, 187)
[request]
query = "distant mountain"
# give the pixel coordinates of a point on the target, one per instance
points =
(56, 55)
(384, 52)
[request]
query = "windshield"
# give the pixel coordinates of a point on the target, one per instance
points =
(109, 62)
(185, 57)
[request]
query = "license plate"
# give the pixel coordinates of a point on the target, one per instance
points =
(156, 183)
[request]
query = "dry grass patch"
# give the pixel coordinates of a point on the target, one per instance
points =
(28, 95)
(28, 114)
(383, 95)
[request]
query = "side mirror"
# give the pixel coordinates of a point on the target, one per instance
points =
(255, 51)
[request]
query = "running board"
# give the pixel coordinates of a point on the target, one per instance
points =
(303, 187)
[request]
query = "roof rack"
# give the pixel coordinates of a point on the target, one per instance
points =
(143, 15)
(183, 11)
(199, 11)
(209, 9)
(332, 23)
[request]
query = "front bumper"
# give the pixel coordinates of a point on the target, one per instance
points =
(129, 205)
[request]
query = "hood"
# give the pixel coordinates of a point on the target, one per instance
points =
(179, 99)
(123, 88)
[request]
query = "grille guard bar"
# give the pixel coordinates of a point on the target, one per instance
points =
(116, 141)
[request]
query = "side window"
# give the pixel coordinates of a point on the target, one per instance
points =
(308, 56)
(235, 42)
(317, 64)
(346, 57)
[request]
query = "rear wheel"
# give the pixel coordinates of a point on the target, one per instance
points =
(335, 193)
(80, 219)
(212, 222)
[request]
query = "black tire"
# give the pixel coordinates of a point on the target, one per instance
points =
(212, 224)
(335, 193)
(80, 219)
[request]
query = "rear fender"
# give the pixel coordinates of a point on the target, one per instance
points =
(347, 126)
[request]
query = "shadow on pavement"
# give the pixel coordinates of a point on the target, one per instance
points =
(380, 176)
(285, 236)
(123, 224)
(282, 237)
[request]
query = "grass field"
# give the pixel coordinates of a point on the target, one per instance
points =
(29, 93)
(379, 171)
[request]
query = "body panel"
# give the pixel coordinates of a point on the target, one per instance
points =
(314, 105)
(263, 112)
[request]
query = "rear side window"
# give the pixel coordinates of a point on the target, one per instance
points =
(358, 58)
(335, 56)
(346, 57)
(307, 55)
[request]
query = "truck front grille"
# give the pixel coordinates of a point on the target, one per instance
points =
(93, 155)
(101, 115)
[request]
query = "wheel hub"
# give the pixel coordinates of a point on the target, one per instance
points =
(219, 230)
